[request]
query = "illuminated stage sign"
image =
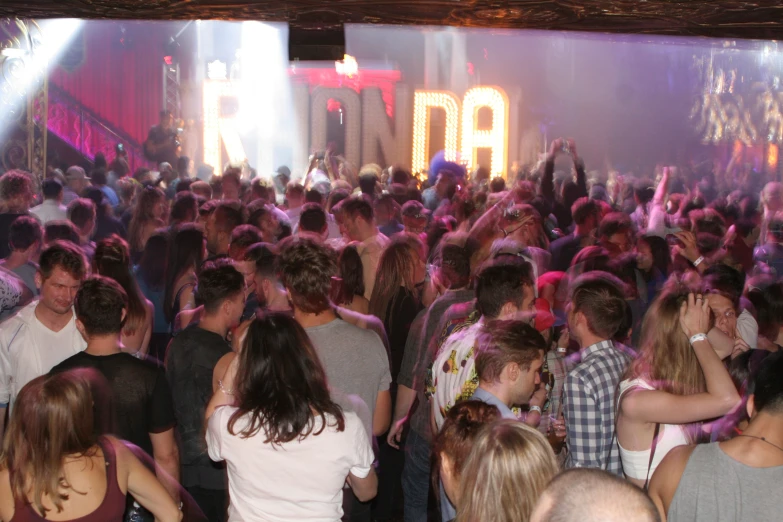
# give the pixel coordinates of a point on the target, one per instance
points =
(402, 132)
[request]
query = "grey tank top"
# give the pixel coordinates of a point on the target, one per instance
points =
(716, 488)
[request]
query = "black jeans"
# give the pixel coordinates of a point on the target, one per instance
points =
(213, 502)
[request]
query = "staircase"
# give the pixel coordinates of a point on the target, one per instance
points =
(86, 133)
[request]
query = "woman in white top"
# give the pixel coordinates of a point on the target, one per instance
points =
(289, 448)
(677, 380)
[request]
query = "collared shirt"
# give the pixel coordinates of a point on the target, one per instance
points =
(589, 408)
(454, 375)
(49, 210)
(485, 396)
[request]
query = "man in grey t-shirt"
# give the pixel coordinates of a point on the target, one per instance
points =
(736, 480)
(355, 359)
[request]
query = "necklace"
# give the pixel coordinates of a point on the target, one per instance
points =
(761, 439)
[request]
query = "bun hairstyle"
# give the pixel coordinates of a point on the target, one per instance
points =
(460, 428)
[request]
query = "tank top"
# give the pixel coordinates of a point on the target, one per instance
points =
(635, 463)
(111, 509)
(716, 488)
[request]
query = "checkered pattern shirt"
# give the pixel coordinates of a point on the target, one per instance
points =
(589, 408)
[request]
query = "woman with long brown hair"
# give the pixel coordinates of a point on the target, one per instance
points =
(54, 465)
(148, 214)
(350, 292)
(112, 260)
(289, 447)
(677, 380)
(396, 296)
(187, 250)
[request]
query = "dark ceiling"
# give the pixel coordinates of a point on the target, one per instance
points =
(718, 18)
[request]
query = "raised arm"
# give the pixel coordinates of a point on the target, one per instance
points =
(668, 408)
(579, 167)
(548, 179)
(662, 189)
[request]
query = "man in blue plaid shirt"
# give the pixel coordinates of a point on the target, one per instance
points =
(596, 312)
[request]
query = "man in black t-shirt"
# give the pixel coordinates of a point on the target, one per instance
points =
(190, 364)
(144, 414)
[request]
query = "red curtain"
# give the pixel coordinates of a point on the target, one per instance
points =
(120, 77)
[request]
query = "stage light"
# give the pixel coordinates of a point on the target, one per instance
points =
(348, 66)
(423, 102)
(217, 70)
(217, 127)
(496, 100)
(30, 66)
(772, 157)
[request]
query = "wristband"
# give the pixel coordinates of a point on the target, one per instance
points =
(533, 408)
(697, 337)
(698, 261)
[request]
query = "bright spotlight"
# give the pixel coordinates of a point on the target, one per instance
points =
(29, 66)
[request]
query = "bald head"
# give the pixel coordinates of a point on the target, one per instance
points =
(593, 495)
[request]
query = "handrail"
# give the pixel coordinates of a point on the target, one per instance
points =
(86, 132)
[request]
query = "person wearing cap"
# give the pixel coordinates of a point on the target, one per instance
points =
(77, 181)
(414, 217)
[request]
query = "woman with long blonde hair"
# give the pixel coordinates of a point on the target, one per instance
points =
(112, 260)
(677, 380)
(508, 469)
(53, 465)
(148, 215)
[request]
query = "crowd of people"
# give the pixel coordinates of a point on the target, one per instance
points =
(365, 346)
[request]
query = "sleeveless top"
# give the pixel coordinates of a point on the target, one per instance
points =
(716, 488)
(111, 509)
(175, 309)
(636, 463)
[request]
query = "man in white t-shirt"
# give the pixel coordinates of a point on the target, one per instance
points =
(42, 334)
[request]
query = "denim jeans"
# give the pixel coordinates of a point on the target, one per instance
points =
(416, 477)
